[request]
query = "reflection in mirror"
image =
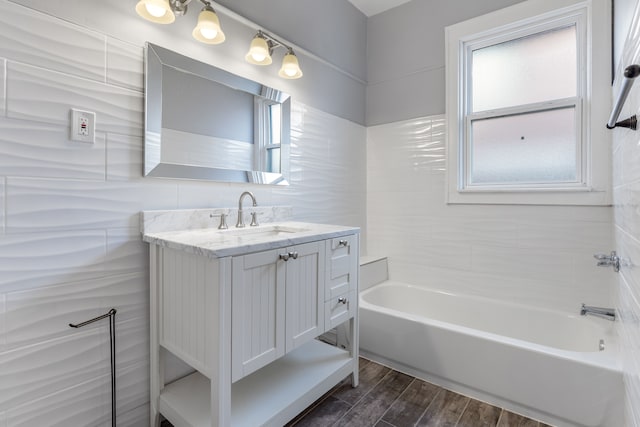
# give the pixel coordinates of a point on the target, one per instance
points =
(206, 123)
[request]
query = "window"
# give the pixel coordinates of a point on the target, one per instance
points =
(523, 85)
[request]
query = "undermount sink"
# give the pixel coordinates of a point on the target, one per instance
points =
(265, 231)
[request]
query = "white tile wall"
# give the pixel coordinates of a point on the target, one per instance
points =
(539, 254)
(626, 173)
(70, 245)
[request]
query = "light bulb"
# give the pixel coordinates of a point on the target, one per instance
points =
(158, 11)
(258, 56)
(290, 68)
(259, 51)
(209, 33)
(155, 10)
(208, 29)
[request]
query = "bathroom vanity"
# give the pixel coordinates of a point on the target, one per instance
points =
(244, 307)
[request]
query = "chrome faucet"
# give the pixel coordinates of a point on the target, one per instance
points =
(240, 223)
(605, 313)
(611, 260)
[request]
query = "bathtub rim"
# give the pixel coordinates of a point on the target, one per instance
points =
(608, 358)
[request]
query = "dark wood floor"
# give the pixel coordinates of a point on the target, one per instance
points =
(388, 398)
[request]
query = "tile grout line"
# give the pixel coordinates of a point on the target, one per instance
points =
(500, 417)
(463, 411)
(394, 401)
(442, 390)
(363, 396)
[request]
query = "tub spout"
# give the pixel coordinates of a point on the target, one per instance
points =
(605, 313)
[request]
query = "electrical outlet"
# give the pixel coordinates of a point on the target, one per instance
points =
(83, 126)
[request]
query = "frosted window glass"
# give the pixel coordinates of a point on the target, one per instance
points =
(526, 148)
(531, 69)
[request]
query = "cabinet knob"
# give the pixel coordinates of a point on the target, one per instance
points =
(284, 257)
(293, 255)
(343, 300)
(343, 243)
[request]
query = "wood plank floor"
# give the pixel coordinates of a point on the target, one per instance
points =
(388, 398)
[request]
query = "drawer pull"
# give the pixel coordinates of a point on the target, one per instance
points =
(344, 243)
(284, 257)
(343, 300)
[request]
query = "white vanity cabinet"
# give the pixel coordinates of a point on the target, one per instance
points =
(246, 320)
(277, 304)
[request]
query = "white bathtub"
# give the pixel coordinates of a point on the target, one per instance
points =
(540, 363)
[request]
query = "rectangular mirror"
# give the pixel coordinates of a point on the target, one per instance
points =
(205, 123)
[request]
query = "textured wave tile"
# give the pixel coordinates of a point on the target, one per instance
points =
(42, 259)
(125, 64)
(136, 417)
(2, 204)
(44, 150)
(56, 45)
(27, 376)
(3, 323)
(126, 252)
(42, 95)
(43, 313)
(3, 87)
(87, 404)
(328, 171)
(41, 204)
(124, 157)
(75, 359)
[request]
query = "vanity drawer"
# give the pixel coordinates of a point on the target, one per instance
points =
(340, 309)
(342, 266)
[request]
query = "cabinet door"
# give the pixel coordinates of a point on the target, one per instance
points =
(258, 311)
(305, 293)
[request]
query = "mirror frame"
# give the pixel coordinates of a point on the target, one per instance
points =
(156, 58)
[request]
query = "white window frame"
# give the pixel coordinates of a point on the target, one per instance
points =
(592, 102)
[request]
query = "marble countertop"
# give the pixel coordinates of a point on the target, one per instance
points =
(215, 243)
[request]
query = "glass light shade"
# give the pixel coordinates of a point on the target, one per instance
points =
(158, 11)
(208, 29)
(290, 67)
(258, 52)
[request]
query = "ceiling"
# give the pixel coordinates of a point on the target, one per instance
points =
(373, 7)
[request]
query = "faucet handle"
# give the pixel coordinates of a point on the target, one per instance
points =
(254, 219)
(223, 220)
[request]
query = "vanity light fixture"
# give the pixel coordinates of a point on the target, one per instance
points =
(158, 11)
(262, 47)
(207, 30)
